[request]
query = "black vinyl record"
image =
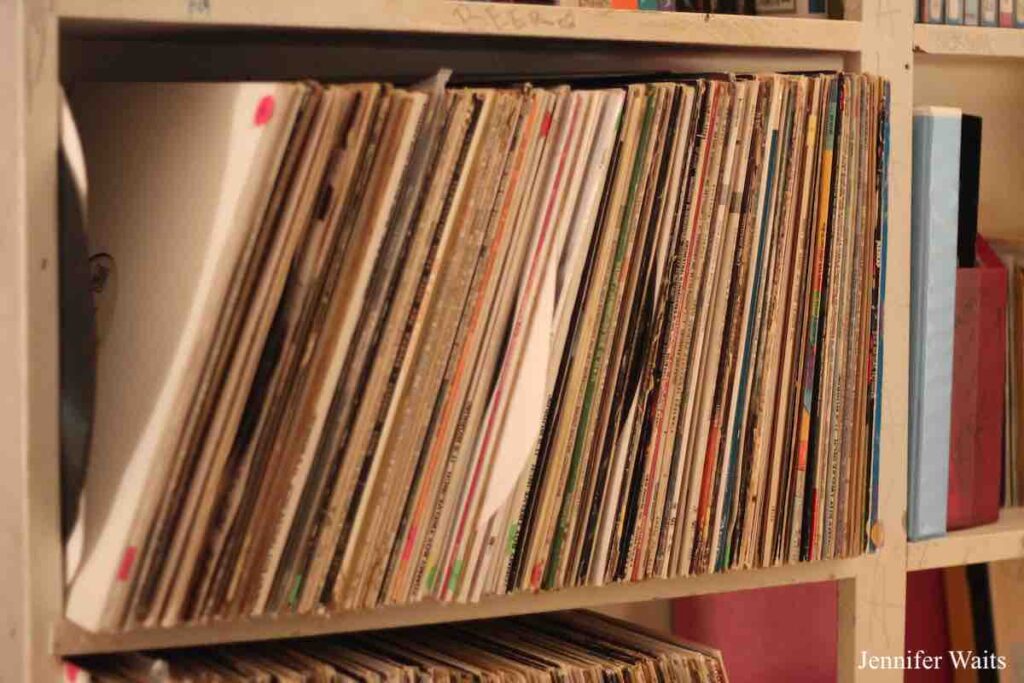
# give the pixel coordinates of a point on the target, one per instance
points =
(77, 344)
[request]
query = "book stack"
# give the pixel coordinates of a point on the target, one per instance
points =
(562, 647)
(805, 8)
(1001, 13)
(443, 343)
(962, 356)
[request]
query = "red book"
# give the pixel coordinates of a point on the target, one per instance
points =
(625, 4)
(979, 355)
(1006, 13)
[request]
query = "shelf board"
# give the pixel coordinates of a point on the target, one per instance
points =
(969, 41)
(68, 639)
(1002, 540)
(451, 17)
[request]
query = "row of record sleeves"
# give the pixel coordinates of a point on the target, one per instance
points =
(573, 646)
(362, 345)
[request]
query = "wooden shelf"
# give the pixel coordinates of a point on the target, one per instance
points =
(448, 17)
(1002, 540)
(969, 41)
(68, 639)
(43, 41)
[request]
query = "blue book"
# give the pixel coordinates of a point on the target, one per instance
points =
(972, 12)
(934, 212)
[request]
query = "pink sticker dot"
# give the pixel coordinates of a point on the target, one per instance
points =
(70, 672)
(264, 110)
(124, 570)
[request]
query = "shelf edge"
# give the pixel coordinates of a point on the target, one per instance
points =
(968, 41)
(459, 17)
(69, 639)
(1002, 540)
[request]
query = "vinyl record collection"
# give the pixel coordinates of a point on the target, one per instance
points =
(486, 340)
(576, 646)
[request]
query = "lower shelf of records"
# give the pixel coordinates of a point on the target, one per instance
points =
(377, 345)
(567, 646)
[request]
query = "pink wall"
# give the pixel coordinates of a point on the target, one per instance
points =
(788, 634)
(785, 634)
(926, 623)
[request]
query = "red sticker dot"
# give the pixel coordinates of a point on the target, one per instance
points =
(264, 110)
(545, 126)
(124, 570)
(70, 672)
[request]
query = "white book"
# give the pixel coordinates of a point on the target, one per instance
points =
(932, 11)
(179, 173)
(989, 13)
(954, 11)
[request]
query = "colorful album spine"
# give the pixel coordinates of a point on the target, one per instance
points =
(955, 12)
(725, 549)
(802, 499)
(1018, 13)
(935, 200)
(971, 12)
(649, 5)
(667, 5)
(989, 13)
(882, 246)
(932, 11)
(1006, 13)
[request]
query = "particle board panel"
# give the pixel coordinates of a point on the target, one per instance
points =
(1001, 540)
(69, 639)
(461, 17)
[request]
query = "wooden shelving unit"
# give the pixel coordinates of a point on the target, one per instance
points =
(980, 70)
(42, 41)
